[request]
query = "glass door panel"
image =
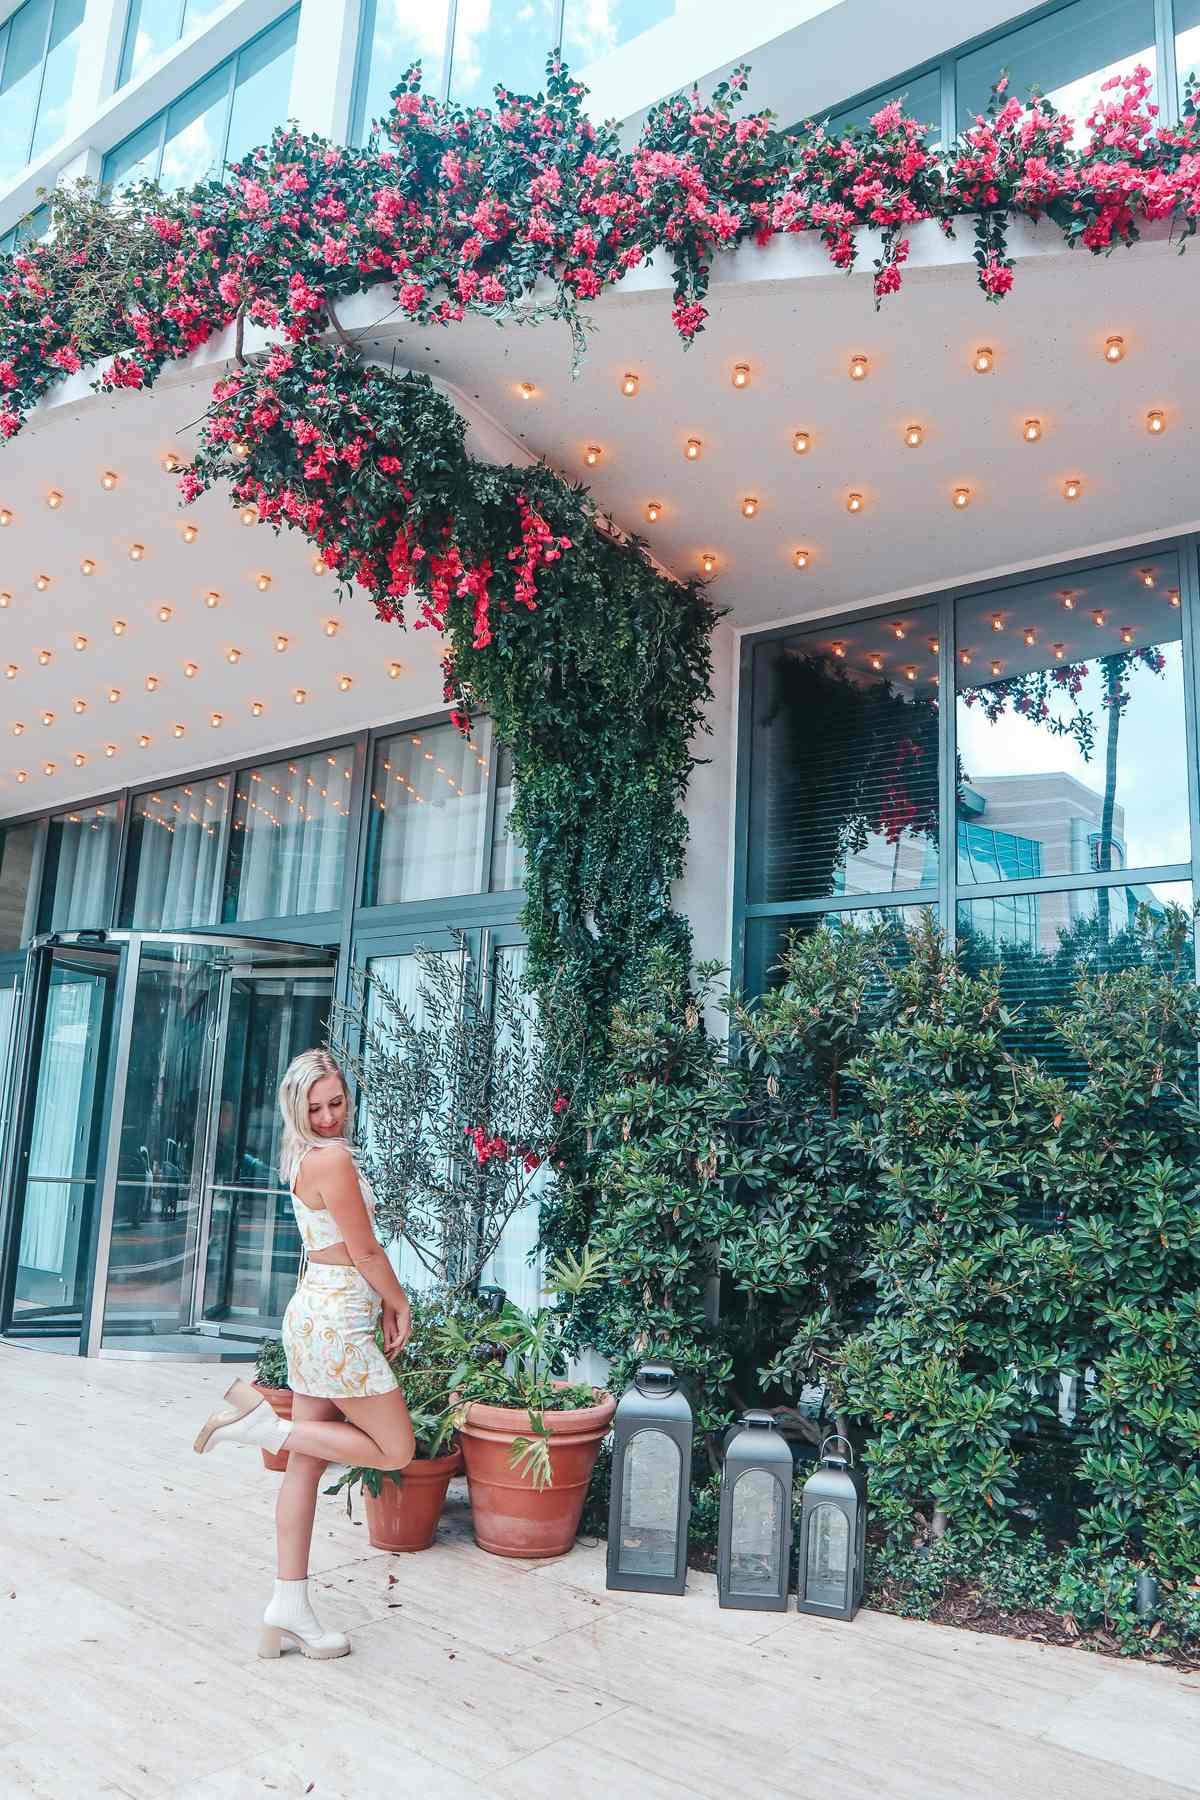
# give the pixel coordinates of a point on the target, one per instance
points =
(253, 1255)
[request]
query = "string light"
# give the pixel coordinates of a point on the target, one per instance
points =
(592, 455)
(1155, 422)
(801, 558)
(741, 375)
(190, 532)
(962, 497)
(87, 566)
(281, 642)
(1032, 431)
(708, 562)
(985, 360)
(120, 627)
(801, 442)
(654, 511)
(394, 670)
(1072, 488)
(136, 552)
(854, 503)
(41, 583)
(749, 506)
(257, 708)
(914, 436)
(630, 384)
(212, 598)
(692, 449)
(345, 683)
(1114, 349)
(109, 480)
(858, 368)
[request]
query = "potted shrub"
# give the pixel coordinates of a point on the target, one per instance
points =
(529, 1438)
(271, 1380)
(403, 1506)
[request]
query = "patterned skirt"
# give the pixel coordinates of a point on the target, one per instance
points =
(329, 1336)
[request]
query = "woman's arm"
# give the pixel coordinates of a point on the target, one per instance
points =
(337, 1185)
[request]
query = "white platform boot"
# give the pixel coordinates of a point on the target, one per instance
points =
(246, 1419)
(290, 1621)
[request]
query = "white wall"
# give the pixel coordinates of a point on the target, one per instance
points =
(705, 892)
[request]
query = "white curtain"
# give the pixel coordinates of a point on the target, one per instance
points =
(62, 1117)
(87, 848)
(429, 796)
(289, 826)
(178, 851)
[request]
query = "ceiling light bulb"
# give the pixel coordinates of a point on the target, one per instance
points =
(345, 683)
(233, 654)
(1114, 349)
(592, 455)
(241, 451)
(1060, 651)
(1032, 431)
(708, 562)
(394, 670)
(22, 774)
(300, 696)
(110, 749)
(144, 741)
(1126, 634)
(854, 503)
(962, 497)
(1097, 618)
(172, 462)
(914, 436)
(190, 532)
(838, 647)
(858, 368)
(53, 499)
(45, 656)
(249, 515)
(984, 360)
(12, 671)
(47, 768)
(151, 683)
(1173, 596)
(136, 552)
(749, 506)
(629, 384)
(1146, 577)
(108, 480)
(935, 645)
(654, 511)
(80, 706)
(996, 667)
(215, 720)
(1030, 636)
(331, 627)
(1067, 596)
(256, 707)
(281, 642)
(87, 566)
(17, 730)
(41, 583)
(997, 622)
(1072, 488)
(114, 694)
(801, 442)
(526, 390)
(165, 612)
(212, 598)
(178, 730)
(320, 566)
(801, 558)
(120, 627)
(79, 759)
(6, 517)
(1156, 421)
(741, 375)
(191, 670)
(899, 632)
(877, 662)
(910, 674)
(47, 718)
(692, 449)
(5, 600)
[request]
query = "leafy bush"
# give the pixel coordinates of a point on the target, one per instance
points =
(270, 1368)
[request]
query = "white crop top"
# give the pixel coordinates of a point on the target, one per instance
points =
(318, 1228)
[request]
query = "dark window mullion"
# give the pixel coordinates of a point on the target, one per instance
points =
(230, 91)
(947, 771)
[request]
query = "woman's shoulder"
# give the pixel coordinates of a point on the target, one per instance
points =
(336, 1155)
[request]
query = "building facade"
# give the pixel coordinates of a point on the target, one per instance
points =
(225, 791)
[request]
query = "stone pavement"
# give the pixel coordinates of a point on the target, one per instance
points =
(133, 1574)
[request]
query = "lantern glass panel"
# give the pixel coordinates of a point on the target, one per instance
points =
(828, 1557)
(650, 1479)
(755, 1534)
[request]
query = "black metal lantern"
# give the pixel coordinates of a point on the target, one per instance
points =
(754, 1542)
(651, 1481)
(833, 1536)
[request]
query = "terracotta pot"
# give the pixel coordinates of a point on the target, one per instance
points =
(405, 1515)
(510, 1516)
(280, 1402)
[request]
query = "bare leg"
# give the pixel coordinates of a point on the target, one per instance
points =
(296, 1506)
(381, 1436)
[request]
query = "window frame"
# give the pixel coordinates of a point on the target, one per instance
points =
(6, 34)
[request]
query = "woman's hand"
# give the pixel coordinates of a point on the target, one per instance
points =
(397, 1328)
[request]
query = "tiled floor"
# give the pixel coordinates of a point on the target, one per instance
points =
(132, 1574)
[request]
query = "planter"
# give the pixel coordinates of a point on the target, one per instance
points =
(280, 1402)
(405, 1515)
(510, 1516)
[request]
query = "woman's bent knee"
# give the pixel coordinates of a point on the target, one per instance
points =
(395, 1453)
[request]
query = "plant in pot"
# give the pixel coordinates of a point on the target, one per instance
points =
(529, 1437)
(403, 1506)
(271, 1380)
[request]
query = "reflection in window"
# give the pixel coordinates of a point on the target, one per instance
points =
(29, 230)
(592, 30)
(17, 847)
(174, 856)
(288, 837)
(756, 1534)
(508, 856)
(154, 25)
(81, 864)
(233, 110)
(428, 802)
(650, 1477)
(498, 43)
(39, 44)
(514, 1264)
(1070, 718)
(394, 33)
(767, 939)
(920, 98)
(844, 782)
(1187, 43)
(1068, 56)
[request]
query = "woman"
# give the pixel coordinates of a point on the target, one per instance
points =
(336, 1370)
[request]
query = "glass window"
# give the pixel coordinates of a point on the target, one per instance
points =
(591, 28)
(515, 1264)
(262, 89)
(22, 52)
(289, 836)
(1068, 55)
(1187, 43)
(844, 783)
(1070, 717)
(494, 43)
(17, 846)
(393, 34)
(58, 77)
(756, 1534)
(921, 98)
(650, 1477)
(28, 230)
(194, 140)
(173, 875)
(154, 25)
(137, 159)
(508, 856)
(428, 803)
(827, 1564)
(81, 865)
(767, 939)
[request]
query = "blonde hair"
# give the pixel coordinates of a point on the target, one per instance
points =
(300, 1077)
